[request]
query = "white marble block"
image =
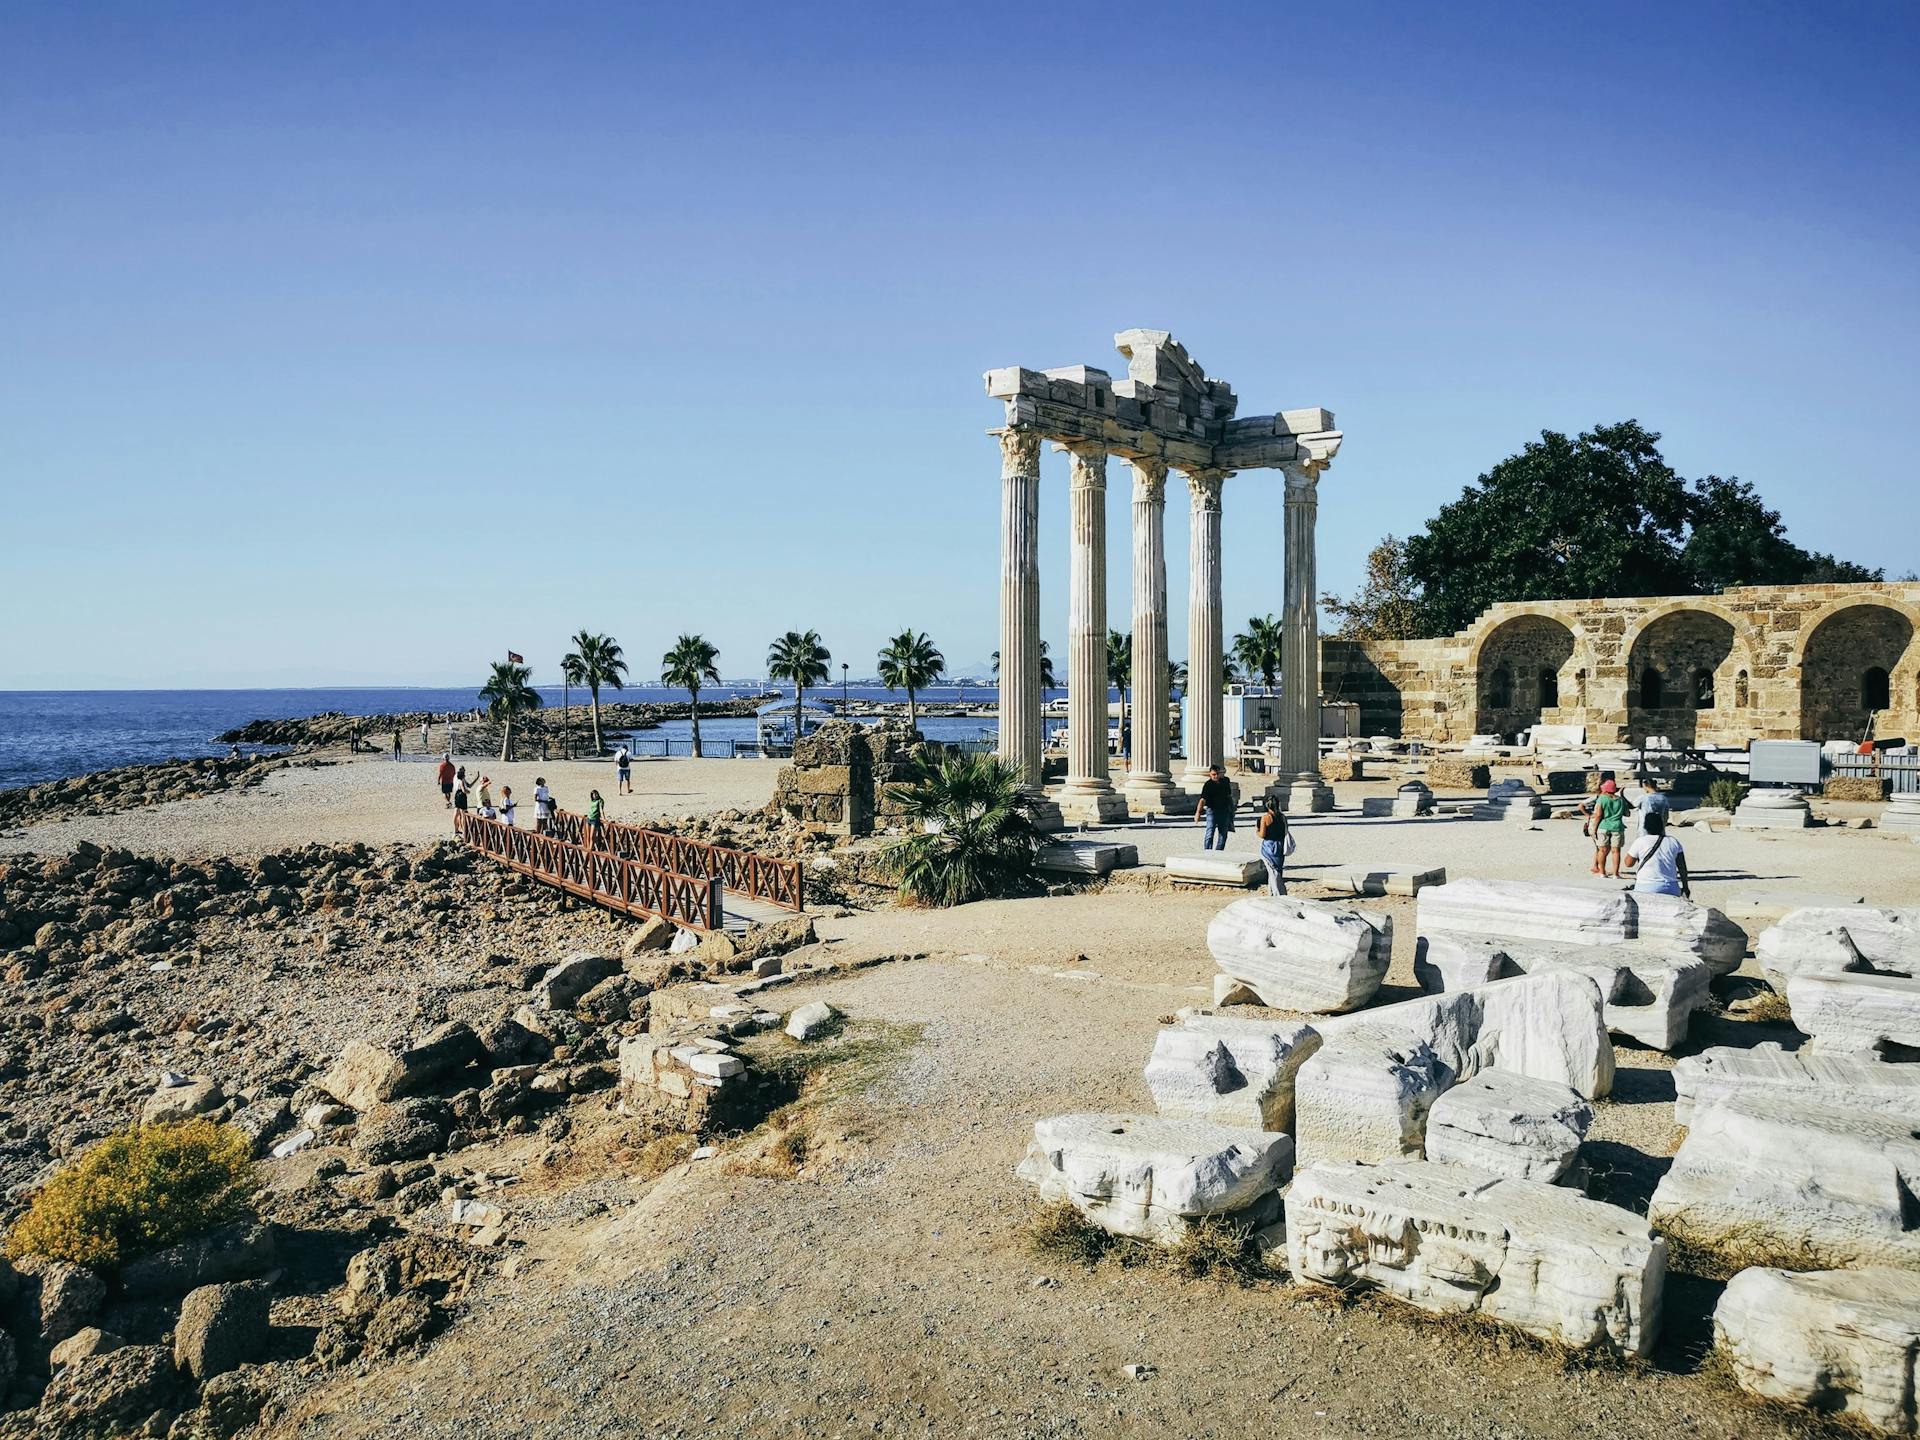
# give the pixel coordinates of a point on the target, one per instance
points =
(1366, 1101)
(1902, 815)
(1548, 1024)
(1508, 1124)
(1388, 880)
(1410, 800)
(1086, 857)
(1516, 909)
(1302, 954)
(1820, 1178)
(1229, 1070)
(1654, 1003)
(1831, 1340)
(1855, 1011)
(1715, 1075)
(1150, 1177)
(1456, 962)
(1773, 810)
(1454, 1241)
(1512, 800)
(1835, 937)
(1678, 923)
(1216, 867)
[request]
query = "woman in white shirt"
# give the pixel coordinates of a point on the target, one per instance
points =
(1658, 861)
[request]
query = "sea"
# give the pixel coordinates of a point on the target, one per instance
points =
(54, 734)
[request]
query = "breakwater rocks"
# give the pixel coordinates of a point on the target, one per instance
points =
(334, 728)
(128, 787)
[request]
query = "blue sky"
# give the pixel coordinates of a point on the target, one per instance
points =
(358, 343)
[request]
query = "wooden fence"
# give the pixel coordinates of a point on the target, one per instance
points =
(762, 877)
(603, 877)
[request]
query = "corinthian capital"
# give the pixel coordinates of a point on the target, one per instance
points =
(1150, 480)
(1019, 452)
(1303, 485)
(1087, 466)
(1203, 487)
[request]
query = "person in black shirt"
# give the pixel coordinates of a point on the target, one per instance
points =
(1216, 808)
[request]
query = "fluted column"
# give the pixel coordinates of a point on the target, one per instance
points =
(1205, 732)
(1088, 794)
(1299, 784)
(1020, 738)
(1149, 773)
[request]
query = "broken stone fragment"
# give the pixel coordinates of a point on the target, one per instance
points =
(1302, 954)
(1508, 1124)
(812, 1020)
(365, 1075)
(1229, 1070)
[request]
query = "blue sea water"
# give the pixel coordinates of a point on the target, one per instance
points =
(53, 734)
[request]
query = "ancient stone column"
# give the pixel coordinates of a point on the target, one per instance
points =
(1088, 794)
(1020, 739)
(1299, 785)
(1150, 784)
(1205, 633)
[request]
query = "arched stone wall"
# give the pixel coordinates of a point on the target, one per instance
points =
(1842, 646)
(1698, 657)
(1512, 659)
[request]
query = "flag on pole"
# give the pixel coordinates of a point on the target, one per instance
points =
(513, 659)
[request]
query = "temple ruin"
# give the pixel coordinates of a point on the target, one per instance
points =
(1812, 662)
(1167, 414)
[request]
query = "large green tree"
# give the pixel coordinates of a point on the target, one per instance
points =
(1601, 514)
(800, 657)
(1256, 650)
(1387, 605)
(594, 661)
(1120, 672)
(509, 693)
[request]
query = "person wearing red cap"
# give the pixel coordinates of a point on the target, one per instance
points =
(1607, 824)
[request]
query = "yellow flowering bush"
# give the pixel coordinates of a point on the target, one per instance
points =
(136, 1191)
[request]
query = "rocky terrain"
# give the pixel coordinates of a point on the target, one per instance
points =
(128, 787)
(334, 728)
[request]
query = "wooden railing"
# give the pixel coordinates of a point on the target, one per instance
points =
(604, 877)
(778, 882)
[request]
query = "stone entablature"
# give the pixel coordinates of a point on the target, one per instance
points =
(1753, 662)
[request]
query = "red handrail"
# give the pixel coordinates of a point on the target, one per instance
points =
(602, 876)
(778, 882)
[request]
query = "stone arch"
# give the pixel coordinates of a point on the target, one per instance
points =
(1841, 649)
(1509, 661)
(1688, 662)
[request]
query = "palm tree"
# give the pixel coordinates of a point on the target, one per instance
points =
(908, 662)
(572, 672)
(801, 658)
(975, 837)
(1177, 675)
(692, 662)
(597, 660)
(507, 693)
(1047, 680)
(1120, 672)
(1257, 648)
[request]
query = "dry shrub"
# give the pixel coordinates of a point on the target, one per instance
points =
(138, 1190)
(655, 1157)
(1063, 1233)
(1769, 1007)
(1721, 1257)
(1210, 1248)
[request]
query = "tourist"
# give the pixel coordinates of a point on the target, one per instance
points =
(1654, 802)
(506, 805)
(459, 795)
(1216, 809)
(542, 805)
(1607, 823)
(396, 742)
(446, 773)
(1658, 861)
(623, 769)
(426, 745)
(486, 798)
(1276, 839)
(595, 830)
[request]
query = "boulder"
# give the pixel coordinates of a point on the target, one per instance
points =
(1839, 937)
(171, 1104)
(404, 1130)
(1716, 1075)
(1230, 1071)
(1454, 1241)
(84, 1345)
(1830, 1340)
(221, 1327)
(649, 935)
(1813, 1179)
(110, 1394)
(365, 1075)
(233, 1252)
(1366, 1099)
(68, 1297)
(1302, 954)
(1856, 1012)
(1150, 1176)
(506, 1042)
(572, 978)
(812, 1020)
(1508, 1124)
